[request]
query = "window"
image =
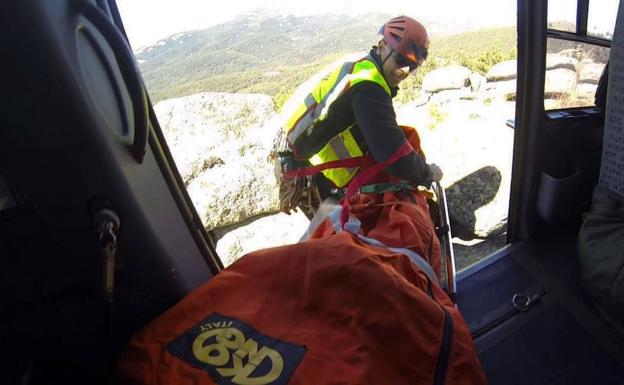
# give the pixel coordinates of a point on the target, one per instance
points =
(562, 15)
(572, 73)
(577, 50)
(602, 15)
(218, 80)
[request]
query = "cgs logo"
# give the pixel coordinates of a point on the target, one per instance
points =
(234, 353)
(214, 347)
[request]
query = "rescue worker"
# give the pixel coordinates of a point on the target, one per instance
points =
(349, 114)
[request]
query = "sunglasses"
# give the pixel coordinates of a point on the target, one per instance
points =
(402, 61)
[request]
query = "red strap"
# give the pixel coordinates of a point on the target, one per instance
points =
(360, 161)
(368, 173)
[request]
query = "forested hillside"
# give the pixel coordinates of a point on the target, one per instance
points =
(274, 54)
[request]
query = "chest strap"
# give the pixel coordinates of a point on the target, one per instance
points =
(379, 188)
(359, 161)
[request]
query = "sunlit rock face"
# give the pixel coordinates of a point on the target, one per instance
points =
(220, 143)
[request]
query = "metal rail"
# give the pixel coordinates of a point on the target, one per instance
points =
(448, 257)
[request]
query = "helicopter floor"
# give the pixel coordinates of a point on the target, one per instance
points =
(560, 339)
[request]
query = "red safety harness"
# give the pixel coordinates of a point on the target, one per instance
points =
(369, 169)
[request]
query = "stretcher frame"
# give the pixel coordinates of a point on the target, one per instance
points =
(443, 229)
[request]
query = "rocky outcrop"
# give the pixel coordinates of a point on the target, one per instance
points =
(589, 72)
(477, 82)
(586, 90)
(558, 61)
(450, 95)
(501, 80)
(503, 71)
(588, 76)
(565, 76)
(474, 148)
(468, 199)
(235, 191)
(220, 143)
(505, 89)
(559, 81)
(274, 230)
(446, 78)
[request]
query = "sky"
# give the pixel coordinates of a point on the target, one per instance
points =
(147, 21)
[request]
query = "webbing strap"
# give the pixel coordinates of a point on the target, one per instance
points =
(359, 161)
(368, 173)
(369, 169)
(353, 226)
(379, 188)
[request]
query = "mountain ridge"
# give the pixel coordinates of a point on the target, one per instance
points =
(261, 53)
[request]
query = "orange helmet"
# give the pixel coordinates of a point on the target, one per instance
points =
(407, 37)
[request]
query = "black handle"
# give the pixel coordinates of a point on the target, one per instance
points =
(129, 72)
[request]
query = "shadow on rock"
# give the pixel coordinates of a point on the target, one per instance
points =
(467, 195)
(218, 232)
(469, 253)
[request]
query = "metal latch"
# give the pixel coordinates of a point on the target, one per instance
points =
(522, 302)
(106, 223)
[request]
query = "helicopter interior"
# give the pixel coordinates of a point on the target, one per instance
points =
(98, 235)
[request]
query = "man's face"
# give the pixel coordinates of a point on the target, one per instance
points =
(394, 69)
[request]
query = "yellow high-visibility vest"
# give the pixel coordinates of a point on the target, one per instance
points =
(315, 108)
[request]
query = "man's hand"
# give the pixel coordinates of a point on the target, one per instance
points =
(436, 172)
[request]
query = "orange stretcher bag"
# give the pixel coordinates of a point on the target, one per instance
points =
(357, 303)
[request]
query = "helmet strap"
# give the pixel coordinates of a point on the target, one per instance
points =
(384, 60)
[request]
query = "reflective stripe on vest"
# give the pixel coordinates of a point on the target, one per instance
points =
(316, 106)
(341, 146)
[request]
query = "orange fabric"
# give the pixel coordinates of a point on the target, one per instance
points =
(394, 220)
(330, 310)
(362, 312)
